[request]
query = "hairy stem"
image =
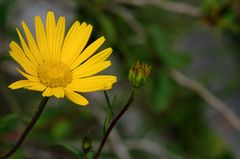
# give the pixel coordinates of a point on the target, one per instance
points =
(28, 128)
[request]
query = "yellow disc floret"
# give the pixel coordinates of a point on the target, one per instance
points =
(54, 74)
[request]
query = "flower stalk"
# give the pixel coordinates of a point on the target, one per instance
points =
(138, 75)
(28, 128)
(113, 123)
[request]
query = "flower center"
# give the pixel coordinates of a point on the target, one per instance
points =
(54, 74)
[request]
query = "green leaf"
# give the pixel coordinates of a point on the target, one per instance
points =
(107, 121)
(109, 115)
(108, 103)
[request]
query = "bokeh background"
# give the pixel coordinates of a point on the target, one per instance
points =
(189, 108)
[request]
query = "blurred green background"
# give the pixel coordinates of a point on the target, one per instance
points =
(198, 40)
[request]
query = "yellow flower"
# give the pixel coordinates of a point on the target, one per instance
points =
(59, 65)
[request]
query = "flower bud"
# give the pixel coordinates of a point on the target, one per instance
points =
(86, 145)
(138, 74)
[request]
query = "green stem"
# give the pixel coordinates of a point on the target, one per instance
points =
(113, 123)
(27, 129)
(108, 103)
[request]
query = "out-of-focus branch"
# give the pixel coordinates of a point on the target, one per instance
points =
(129, 18)
(29, 127)
(210, 98)
(176, 7)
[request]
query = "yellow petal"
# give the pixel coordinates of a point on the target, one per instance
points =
(84, 38)
(41, 38)
(58, 92)
(70, 40)
(80, 43)
(26, 50)
(29, 77)
(50, 32)
(37, 86)
(20, 84)
(48, 92)
(77, 44)
(18, 55)
(95, 83)
(89, 51)
(59, 36)
(32, 44)
(75, 97)
(89, 71)
(99, 57)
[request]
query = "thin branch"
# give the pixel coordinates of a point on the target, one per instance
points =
(176, 7)
(117, 144)
(27, 129)
(113, 124)
(145, 145)
(115, 138)
(210, 98)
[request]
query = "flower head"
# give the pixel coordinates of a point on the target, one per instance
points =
(138, 74)
(58, 64)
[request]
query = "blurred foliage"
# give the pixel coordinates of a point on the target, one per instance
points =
(8, 123)
(225, 14)
(189, 132)
(177, 115)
